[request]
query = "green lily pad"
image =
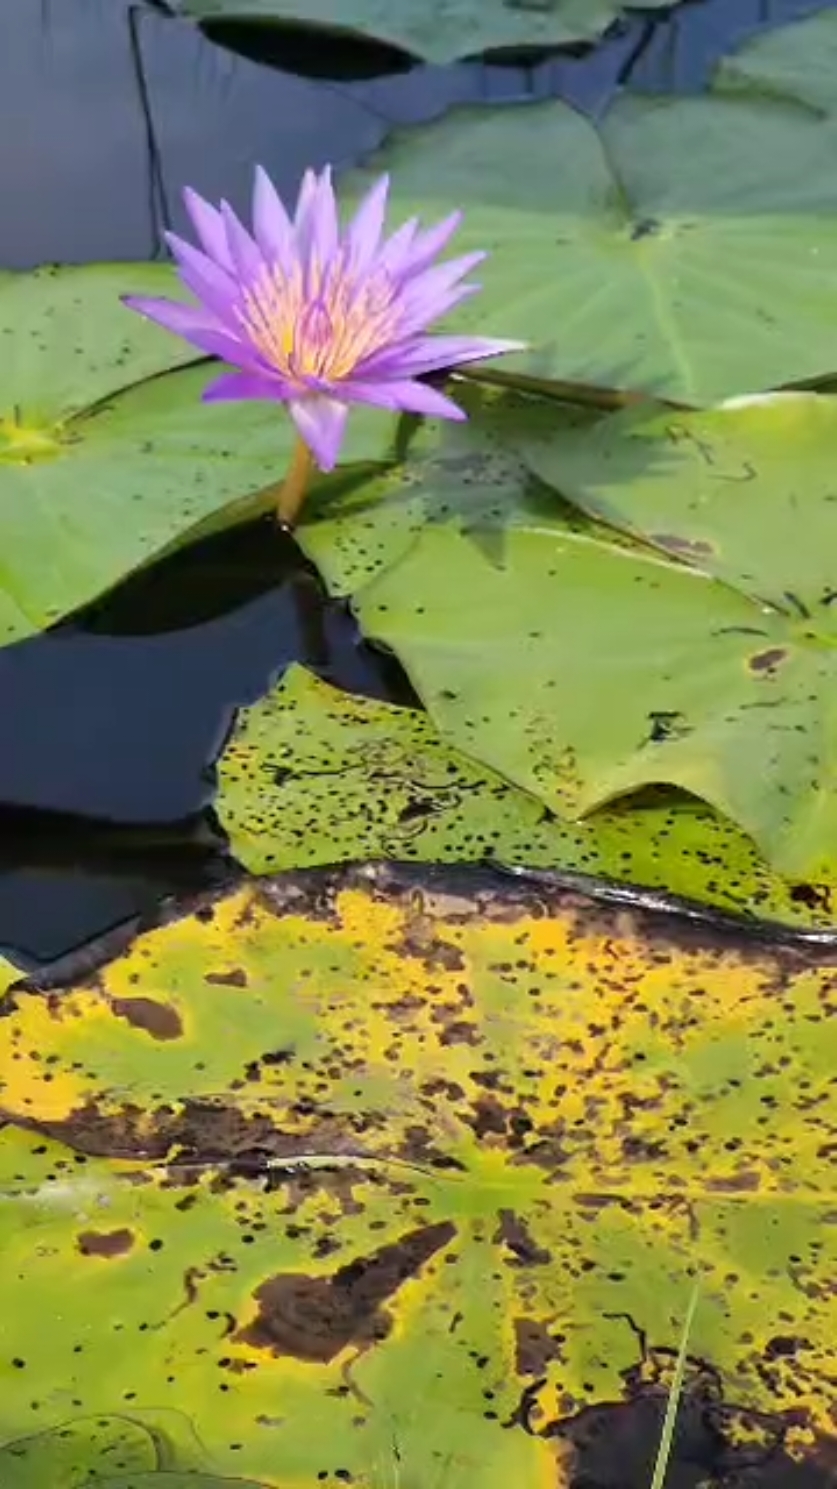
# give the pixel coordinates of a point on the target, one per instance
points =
(95, 482)
(797, 63)
(582, 670)
(67, 342)
(433, 29)
(313, 776)
(746, 495)
(385, 1177)
(683, 247)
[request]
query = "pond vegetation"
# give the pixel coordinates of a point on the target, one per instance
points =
(419, 795)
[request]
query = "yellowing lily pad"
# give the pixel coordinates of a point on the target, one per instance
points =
(351, 1176)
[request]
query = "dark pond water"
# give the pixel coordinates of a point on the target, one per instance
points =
(107, 109)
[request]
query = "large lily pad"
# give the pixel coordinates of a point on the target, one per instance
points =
(797, 63)
(378, 1177)
(434, 31)
(581, 669)
(745, 495)
(94, 482)
(686, 247)
(313, 775)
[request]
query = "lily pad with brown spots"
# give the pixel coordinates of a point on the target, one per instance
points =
(419, 1192)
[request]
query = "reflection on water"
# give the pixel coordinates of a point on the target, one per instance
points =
(107, 109)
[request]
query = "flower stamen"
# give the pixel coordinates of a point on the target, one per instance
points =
(327, 336)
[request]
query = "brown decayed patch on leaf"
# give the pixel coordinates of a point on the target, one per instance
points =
(636, 1104)
(105, 1243)
(315, 1318)
(159, 1020)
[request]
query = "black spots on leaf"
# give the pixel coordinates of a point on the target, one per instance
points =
(767, 663)
(316, 1318)
(665, 724)
(271, 1058)
(814, 896)
(645, 227)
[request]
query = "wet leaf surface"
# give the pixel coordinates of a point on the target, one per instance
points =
(427, 1148)
(434, 32)
(313, 775)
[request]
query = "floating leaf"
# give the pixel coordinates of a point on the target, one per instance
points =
(386, 1177)
(433, 31)
(92, 484)
(313, 775)
(581, 669)
(67, 342)
(686, 247)
(797, 63)
(746, 495)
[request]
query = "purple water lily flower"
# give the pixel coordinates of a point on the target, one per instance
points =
(320, 318)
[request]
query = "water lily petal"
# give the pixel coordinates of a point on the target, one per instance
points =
(430, 353)
(364, 233)
(429, 243)
(321, 422)
(175, 316)
(419, 315)
(405, 396)
(205, 278)
(232, 387)
(428, 296)
(315, 223)
(396, 250)
(245, 254)
(209, 226)
(271, 223)
(195, 327)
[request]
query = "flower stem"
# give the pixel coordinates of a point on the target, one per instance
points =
(291, 493)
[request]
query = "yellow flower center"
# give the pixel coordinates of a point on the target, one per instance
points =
(319, 322)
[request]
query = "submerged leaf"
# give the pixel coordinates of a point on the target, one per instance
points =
(373, 1177)
(313, 775)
